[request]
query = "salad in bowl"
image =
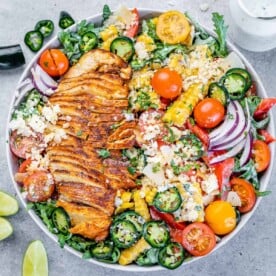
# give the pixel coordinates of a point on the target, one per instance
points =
(143, 139)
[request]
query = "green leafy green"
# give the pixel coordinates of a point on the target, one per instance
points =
(106, 12)
(263, 193)
(149, 28)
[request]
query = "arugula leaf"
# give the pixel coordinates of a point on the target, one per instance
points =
(106, 12)
(220, 28)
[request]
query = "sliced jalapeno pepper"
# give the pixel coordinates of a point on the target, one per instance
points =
(148, 257)
(115, 255)
(167, 201)
(235, 85)
(156, 233)
(171, 256)
(133, 217)
(34, 40)
(244, 73)
(88, 41)
(123, 233)
(65, 20)
(218, 92)
(45, 27)
(102, 250)
(123, 47)
(11, 57)
(61, 220)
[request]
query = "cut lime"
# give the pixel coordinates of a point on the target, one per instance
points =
(35, 262)
(8, 204)
(5, 229)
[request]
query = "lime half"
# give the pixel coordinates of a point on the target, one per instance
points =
(35, 262)
(8, 204)
(5, 229)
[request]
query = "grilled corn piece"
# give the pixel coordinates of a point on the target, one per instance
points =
(150, 193)
(108, 35)
(140, 206)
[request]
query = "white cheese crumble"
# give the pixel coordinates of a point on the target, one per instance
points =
(141, 51)
(210, 184)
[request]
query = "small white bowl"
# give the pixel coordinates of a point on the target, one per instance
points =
(13, 167)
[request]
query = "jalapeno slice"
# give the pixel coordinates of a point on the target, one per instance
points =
(45, 27)
(148, 257)
(171, 256)
(156, 233)
(123, 47)
(167, 201)
(65, 20)
(61, 220)
(133, 217)
(34, 40)
(123, 233)
(235, 85)
(244, 73)
(88, 41)
(218, 92)
(102, 250)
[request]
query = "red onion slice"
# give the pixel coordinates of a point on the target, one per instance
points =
(22, 90)
(229, 123)
(233, 152)
(246, 154)
(46, 79)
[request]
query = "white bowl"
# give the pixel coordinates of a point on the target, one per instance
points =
(12, 162)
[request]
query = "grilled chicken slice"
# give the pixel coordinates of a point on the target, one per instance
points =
(87, 221)
(101, 61)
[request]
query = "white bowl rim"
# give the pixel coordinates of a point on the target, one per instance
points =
(135, 268)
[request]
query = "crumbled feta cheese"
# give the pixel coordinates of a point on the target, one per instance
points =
(37, 123)
(141, 51)
(20, 126)
(210, 184)
(118, 202)
(234, 199)
(51, 113)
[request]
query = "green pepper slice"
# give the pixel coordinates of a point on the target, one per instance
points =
(65, 20)
(148, 257)
(123, 47)
(102, 250)
(156, 233)
(45, 27)
(133, 217)
(123, 233)
(34, 40)
(244, 73)
(218, 92)
(167, 201)
(61, 220)
(171, 256)
(88, 41)
(115, 255)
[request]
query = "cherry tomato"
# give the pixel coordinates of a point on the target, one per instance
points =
(261, 155)
(39, 186)
(24, 165)
(22, 145)
(246, 192)
(176, 235)
(167, 83)
(268, 138)
(133, 29)
(221, 217)
(198, 239)
(263, 108)
(201, 134)
(54, 62)
(208, 113)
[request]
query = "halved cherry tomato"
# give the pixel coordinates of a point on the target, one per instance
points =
(24, 165)
(198, 238)
(54, 62)
(201, 134)
(176, 234)
(39, 186)
(263, 108)
(268, 138)
(261, 155)
(209, 112)
(221, 217)
(133, 29)
(173, 27)
(246, 192)
(223, 170)
(21, 145)
(168, 218)
(167, 83)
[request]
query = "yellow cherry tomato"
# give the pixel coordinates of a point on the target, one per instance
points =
(221, 217)
(173, 27)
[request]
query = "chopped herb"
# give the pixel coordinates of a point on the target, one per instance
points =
(106, 12)
(230, 116)
(262, 193)
(156, 168)
(131, 170)
(104, 153)
(79, 133)
(171, 137)
(144, 101)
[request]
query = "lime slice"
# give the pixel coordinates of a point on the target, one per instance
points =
(8, 204)
(5, 229)
(35, 262)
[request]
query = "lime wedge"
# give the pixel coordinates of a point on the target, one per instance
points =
(35, 262)
(5, 229)
(8, 204)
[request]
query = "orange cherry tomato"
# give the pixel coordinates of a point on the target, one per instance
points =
(54, 62)
(246, 192)
(261, 155)
(24, 165)
(208, 113)
(198, 239)
(221, 217)
(39, 186)
(167, 83)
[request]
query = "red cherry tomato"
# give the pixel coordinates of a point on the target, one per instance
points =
(24, 165)
(201, 134)
(208, 113)
(268, 138)
(198, 239)
(167, 83)
(54, 62)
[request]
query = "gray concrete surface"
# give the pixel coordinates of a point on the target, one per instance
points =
(252, 252)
